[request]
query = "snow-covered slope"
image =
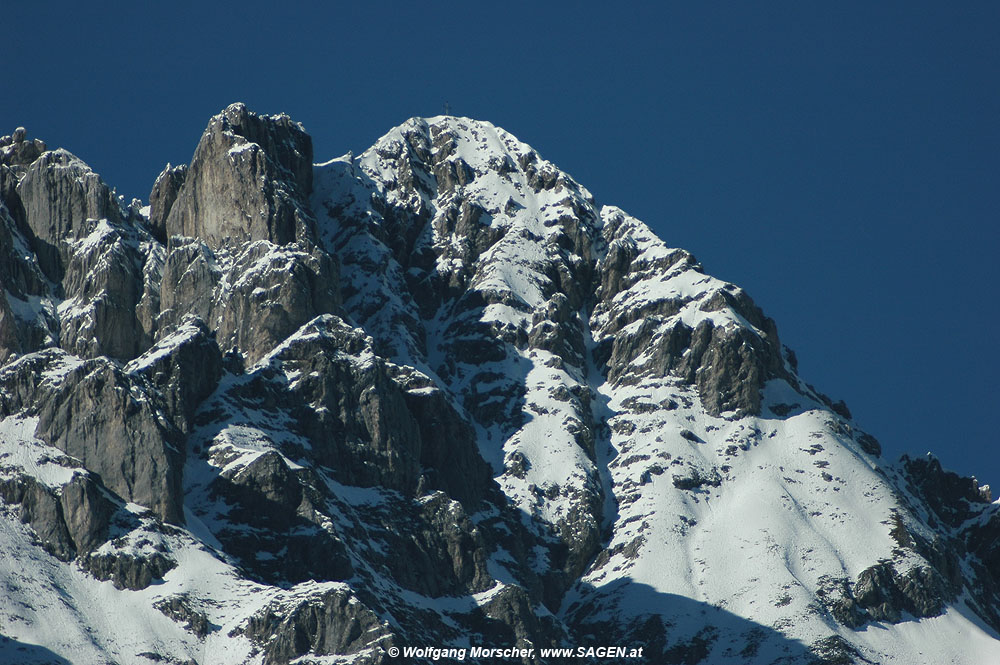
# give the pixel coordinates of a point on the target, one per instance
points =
(768, 507)
(435, 395)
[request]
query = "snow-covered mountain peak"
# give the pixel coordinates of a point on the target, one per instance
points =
(434, 394)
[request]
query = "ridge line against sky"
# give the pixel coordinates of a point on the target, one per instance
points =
(840, 163)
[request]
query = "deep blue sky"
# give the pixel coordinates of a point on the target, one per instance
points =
(840, 161)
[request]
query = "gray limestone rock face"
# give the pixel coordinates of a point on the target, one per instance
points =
(957, 502)
(265, 487)
(19, 269)
(728, 354)
(181, 608)
(60, 193)
(127, 571)
(885, 595)
(273, 291)
(449, 456)
(254, 299)
(277, 506)
(185, 367)
(10, 201)
(68, 521)
(113, 423)
(362, 428)
(373, 425)
(161, 199)
(329, 623)
(17, 152)
(86, 510)
(102, 284)
(249, 179)
(362, 421)
(147, 310)
(97, 260)
(510, 615)
(436, 550)
(461, 540)
(557, 329)
(42, 510)
(10, 343)
(727, 366)
(190, 275)
(24, 381)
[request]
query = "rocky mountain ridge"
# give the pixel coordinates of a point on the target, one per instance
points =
(433, 395)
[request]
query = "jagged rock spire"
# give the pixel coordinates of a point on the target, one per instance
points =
(249, 179)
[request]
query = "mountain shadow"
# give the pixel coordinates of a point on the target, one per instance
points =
(676, 630)
(12, 651)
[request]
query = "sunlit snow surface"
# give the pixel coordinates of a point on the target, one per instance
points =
(798, 504)
(793, 504)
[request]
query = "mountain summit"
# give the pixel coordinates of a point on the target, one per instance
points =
(431, 397)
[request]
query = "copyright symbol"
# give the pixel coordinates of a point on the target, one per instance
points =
(393, 651)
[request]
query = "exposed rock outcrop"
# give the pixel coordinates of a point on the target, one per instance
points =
(75, 233)
(10, 343)
(254, 300)
(19, 270)
(431, 395)
(18, 152)
(28, 320)
(272, 292)
(87, 510)
(60, 193)
(880, 593)
(249, 179)
(161, 199)
(41, 509)
(437, 551)
(185, 367)
(126, 570)
(70, 520)
(327, 622)
(372, 430)
(967, 511)
(102, 285)
(190, 276)
(275, 530)
(719, 341)
(181, 608)
(113, 423)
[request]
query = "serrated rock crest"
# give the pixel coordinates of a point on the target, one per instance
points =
(434, 394)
